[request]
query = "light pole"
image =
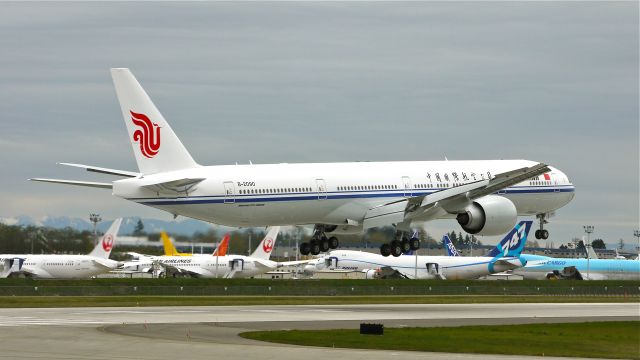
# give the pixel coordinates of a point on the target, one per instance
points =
(636, 233)
(95, 219)
(588, 229)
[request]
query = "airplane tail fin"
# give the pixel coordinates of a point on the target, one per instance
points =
(107, 242)
(155, 146)
(264, 249)
(513, 243)
(169, 249)
(221, 250)
(449, 247)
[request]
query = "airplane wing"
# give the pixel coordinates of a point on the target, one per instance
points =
(293, 263)
(450, 200)
(513, 263)
(106, 265)
(102, 170)
(195, 270)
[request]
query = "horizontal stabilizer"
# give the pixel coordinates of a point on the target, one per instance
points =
(77, 183)
(102, 170)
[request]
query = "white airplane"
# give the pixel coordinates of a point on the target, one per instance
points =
(505, 256)
(228, 266)
(65, 266)
(484, 196)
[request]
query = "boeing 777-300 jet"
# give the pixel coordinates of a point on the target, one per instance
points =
(484, 196)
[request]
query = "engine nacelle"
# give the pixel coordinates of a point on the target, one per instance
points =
(371, 274)
(488, 215)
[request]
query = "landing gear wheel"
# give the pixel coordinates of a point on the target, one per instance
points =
(544, 234)
(333, 242)
(385, 250)
(396, 248)
(414, 244)
(324, 244)
(305, 249)
(405, 245)
(315, 248)
(538, 236)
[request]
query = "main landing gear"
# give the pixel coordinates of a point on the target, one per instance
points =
(319, 242)
(400, 245)
(542, 233)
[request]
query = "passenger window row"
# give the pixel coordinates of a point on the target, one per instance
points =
(274, 191)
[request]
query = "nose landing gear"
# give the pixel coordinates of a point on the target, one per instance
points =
(542, 233)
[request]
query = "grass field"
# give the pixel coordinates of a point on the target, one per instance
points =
(593, 339)
(102, 301)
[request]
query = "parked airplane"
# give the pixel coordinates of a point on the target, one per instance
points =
(64, 266)
(543, 267)
(503, 257)
(485, 197)
(170, 249)
(228, 266)
(144, 263)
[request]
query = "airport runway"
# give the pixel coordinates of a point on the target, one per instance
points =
(205, 332)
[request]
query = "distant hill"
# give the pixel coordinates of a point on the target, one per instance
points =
(182, 226)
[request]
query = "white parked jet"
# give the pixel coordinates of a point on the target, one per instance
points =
(505, 256)
(65, 266)
(485, 197)
(228, 266)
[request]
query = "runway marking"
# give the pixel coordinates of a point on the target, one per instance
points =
(29, 320)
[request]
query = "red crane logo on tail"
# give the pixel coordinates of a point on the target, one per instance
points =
(145, 135)
(268, 245)
(107, 242)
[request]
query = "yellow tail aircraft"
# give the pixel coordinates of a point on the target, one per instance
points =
(170, 250)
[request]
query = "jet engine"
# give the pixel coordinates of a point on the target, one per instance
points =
(488, 215)
(371, 274)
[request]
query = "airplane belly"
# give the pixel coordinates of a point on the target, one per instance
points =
(246, 214)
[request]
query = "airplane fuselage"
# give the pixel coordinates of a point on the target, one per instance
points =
(330, 193)
(538, 267)
(452, 268)
(62, 266)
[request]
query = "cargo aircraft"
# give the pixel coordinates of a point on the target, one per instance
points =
(484, 196)
(64, 266)
(538, 267)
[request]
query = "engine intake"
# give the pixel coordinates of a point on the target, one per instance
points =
(488, 215)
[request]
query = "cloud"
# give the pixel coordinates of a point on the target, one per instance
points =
(317, 82)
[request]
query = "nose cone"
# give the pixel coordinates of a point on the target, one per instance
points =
(563, 185)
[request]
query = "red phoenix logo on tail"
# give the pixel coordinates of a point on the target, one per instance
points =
(148, 139)
(107, 242)
(268, 245)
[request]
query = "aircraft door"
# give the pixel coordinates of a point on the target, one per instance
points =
(236, 264)
(322, 189)
(433, 268)
(406, 183)
(331, 262)
(229, 192)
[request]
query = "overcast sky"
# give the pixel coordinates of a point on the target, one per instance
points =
(319, 82)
